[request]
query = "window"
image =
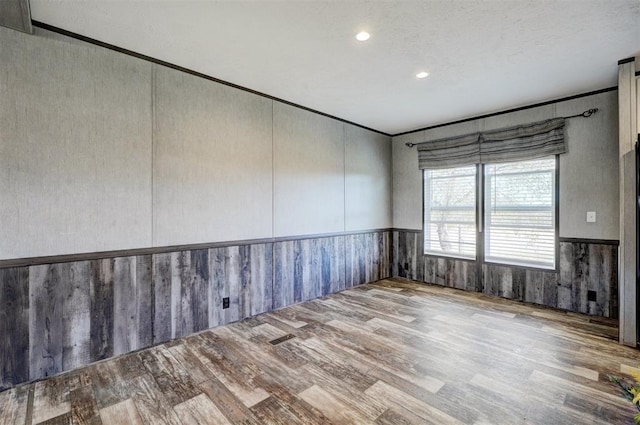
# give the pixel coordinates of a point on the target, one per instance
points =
(518, 215)
(450, 212)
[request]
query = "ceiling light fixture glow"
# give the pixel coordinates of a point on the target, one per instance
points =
(422, 74)
(362, 36)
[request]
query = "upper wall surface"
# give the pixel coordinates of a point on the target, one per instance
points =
(101, 151)
(75, 151)
(588, 171)
(212, 161)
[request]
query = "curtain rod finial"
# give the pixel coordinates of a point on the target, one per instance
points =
(409, 144)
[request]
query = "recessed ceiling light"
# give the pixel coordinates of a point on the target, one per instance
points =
(422, 74)
(362, 36)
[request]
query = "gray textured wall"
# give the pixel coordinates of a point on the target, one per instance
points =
(588, 172)
(212, 161)
(308, 172)
(75, 151)
(100, 151)
(367, 180)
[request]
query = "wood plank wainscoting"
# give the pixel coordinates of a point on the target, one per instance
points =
(57, 316)
(586, 280)
(390, 353)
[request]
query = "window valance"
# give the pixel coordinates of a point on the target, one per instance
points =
(522, 142)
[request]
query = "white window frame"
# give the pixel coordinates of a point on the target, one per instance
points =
(480, 224)
(426, 218)
(553, 209)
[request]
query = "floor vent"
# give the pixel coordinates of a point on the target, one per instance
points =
(277, 341)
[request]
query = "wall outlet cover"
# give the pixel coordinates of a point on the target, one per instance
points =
(225, 302)
(591, 216)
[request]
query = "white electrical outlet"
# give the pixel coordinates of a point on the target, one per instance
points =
(591, 216)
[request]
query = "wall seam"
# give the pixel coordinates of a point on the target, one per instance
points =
(153, 132)
(344, 202)
(344, 178)
(273, 208)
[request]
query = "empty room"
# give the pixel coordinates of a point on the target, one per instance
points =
(319, 212)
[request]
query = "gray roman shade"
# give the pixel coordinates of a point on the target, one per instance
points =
(450, 152)
(522, 142)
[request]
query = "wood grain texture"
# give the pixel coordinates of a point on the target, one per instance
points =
(283, 280)
(59, 323)
(84, 409)
(102, 277)
(261, 278)
(393, 352)
(14, 405)
(307, 269)
(62, 316)
(14, 326)
(133, 299)
(583, 267)
(162, 275)
(124, 412)
(368, 257)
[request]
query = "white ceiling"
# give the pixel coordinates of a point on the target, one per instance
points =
(482, 55)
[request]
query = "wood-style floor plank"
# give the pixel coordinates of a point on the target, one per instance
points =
(51, 399)
(393, 352)
(200, 410)
(14, 405)
(124, 412)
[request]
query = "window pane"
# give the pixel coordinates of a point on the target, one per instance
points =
(520, 213)
(450, 212)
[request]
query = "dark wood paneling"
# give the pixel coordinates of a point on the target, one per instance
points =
(583, 267)
(261, 278)
(368, 257)
(59, 323)
(355, 265)
(133, 304)
(199, 288)
(145, 300)
(244, 274)
(283, 276)
(226, 267)
(162, 297)
(310, 268)
(451, 272)
(102, 277)
(60, 316)
(125, 300)
(14, 326)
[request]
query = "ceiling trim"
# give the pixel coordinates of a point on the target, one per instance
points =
(507, 111)
(99, 43)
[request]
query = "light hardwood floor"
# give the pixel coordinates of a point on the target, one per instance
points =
(393, 352)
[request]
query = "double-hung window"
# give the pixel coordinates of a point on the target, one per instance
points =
(450, 213)
(520, 213)
(517, 218)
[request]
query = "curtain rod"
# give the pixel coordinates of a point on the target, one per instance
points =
(585, 114)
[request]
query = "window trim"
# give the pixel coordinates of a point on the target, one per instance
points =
(480, 216)
(476, 257)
